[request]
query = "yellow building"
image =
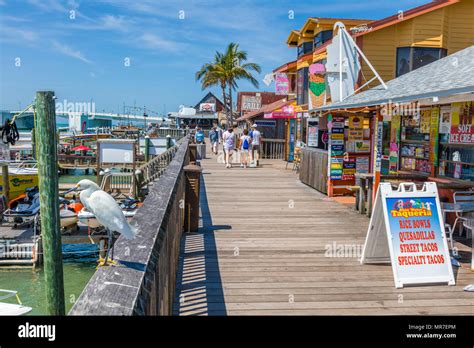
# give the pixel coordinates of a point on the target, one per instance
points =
(394, 45)
(410, 39)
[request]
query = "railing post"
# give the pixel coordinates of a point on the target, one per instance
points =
(193, 153)
(191, 209)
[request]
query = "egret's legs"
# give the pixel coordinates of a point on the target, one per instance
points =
(110, 246)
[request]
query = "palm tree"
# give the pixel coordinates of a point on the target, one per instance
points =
(235, 70)
(213, 74)
(225, 70)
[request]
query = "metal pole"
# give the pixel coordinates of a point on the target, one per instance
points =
(49, 202)
(340, 64)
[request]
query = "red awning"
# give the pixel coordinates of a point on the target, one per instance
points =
(81, 148)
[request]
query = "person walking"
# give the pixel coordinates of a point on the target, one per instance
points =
(244, 148)
(256, 137)
(229, 144)
(214, 138)
(199, 136)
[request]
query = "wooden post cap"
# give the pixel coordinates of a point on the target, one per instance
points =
(192, 168)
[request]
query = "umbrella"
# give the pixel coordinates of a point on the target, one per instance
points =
(81, 148)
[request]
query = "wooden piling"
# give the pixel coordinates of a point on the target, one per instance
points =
(33, 143)
(46, 143)
(6, 182)
(147, 148)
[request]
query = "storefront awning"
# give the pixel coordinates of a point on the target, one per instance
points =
(448, 76)
(285, 111)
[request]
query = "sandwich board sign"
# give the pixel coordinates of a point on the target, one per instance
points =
(407, 229)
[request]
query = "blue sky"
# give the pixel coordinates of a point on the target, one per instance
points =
(83, 58)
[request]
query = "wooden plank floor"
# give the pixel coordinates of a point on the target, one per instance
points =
(262, 251)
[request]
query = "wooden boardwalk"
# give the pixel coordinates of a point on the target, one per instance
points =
(262, 251)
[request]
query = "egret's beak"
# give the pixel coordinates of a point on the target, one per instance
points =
(75, 188)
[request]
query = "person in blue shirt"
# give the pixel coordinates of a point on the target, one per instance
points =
(214, 138)
(199, 136)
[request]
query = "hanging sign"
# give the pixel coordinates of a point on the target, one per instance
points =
(313, 140)
(378, 147)
(434, 127)
(462, 123)
(407, 229)
(282, 84)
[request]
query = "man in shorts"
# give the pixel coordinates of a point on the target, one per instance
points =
(256, 137)
(229, 144)
(214, 138)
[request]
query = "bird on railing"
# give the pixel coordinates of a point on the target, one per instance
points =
(107, 212)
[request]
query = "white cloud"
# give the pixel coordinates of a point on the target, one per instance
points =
(14, 34)
(48, 5)
(107, 22)
(153, 41)
(69, 51)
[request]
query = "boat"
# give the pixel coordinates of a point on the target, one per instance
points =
(21, 178)
(87, 218)
(129, 208)
(23, 209)
(68, 212)
(12, 308)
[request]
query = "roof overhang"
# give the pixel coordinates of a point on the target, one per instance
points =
(432, 98)
(285, 67)
(292, 40)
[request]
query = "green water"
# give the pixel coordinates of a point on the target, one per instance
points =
(31, 286)
(74, 176)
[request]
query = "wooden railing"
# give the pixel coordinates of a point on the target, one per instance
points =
(144, 283)
(118, 183)
(76, 161)
(153, 169)
(273, 149)
(314, 168)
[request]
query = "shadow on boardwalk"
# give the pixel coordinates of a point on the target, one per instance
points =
(199, 285)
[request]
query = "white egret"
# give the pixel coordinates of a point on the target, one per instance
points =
(107, 212)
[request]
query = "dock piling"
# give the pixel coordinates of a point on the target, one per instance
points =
(46, 144)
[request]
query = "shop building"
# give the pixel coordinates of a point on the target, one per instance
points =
(421, 128)
(205, 114)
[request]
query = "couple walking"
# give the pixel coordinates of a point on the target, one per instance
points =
(248, 143)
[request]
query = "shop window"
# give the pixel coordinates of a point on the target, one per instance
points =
(304, 48)
(322, 37)
(415, 142)
(302, 86)
(411, 58)
(456, 161)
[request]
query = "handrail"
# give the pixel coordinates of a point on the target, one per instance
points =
(144, 283)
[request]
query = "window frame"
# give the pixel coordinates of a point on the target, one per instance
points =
(322, 41)
(442, 52)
